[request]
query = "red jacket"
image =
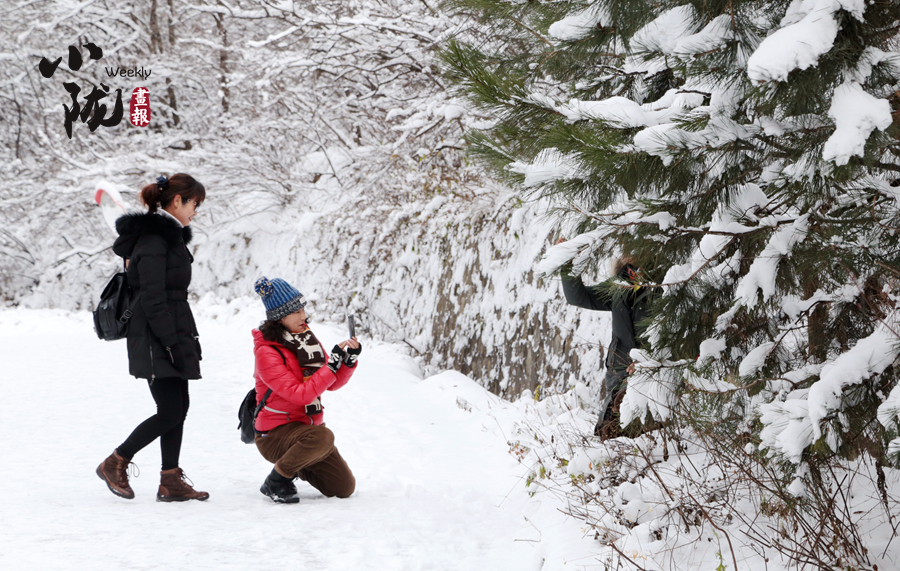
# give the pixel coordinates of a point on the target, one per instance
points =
(290, 394)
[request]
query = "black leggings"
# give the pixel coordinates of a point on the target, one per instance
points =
(172, 401)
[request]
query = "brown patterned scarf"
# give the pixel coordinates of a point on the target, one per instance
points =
(305, 346)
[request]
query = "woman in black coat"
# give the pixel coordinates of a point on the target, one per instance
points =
(163, 344)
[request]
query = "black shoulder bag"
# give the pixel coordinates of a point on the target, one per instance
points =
(114, 308)
(249, 410)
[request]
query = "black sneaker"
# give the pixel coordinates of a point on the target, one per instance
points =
(282, 490)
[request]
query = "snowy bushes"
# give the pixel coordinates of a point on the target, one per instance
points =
(684, 499)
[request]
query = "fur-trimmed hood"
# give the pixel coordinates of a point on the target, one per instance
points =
(134, 225)
(617, 265)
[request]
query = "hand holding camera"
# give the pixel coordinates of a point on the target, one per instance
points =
(352, 345)
(354, 348)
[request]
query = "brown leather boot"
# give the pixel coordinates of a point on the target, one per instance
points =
(175, 487)
(114, 471)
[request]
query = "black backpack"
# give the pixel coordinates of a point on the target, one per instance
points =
(114, 309)
(249, 410)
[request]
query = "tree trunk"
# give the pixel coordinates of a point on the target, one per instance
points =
(172, 23)
(223, 61)
(155, 41)
(816, 327)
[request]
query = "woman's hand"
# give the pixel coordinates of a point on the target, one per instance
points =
(353, 348)
(336, 359)
(344, 353)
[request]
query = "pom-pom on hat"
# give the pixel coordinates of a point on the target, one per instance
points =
(280, 298)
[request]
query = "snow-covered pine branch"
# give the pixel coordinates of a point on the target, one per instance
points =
(739, 156)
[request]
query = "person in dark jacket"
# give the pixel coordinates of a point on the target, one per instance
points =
(163, 344)
(629, 309)
(292, 373)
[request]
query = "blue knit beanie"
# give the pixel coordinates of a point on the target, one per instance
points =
(280, 298)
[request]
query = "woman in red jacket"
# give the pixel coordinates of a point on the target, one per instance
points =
(292, 372)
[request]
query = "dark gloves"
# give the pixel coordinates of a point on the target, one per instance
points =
(176, 356)
(337, 357)
(352, 355)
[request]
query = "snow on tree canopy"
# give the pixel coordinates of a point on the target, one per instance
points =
(661, 36)
(696, 134)
(579, 25)
(550, 166)
(794, 425)
(808, 30)
(856, 114)
(796, 46)
(761, 275)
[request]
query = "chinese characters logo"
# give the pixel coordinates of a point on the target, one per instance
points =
(92, 108)
(140, 107)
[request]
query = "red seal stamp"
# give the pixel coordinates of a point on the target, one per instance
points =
(140, 107)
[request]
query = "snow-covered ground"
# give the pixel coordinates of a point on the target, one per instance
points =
(436, 485)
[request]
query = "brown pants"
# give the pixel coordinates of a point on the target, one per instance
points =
(308, 452)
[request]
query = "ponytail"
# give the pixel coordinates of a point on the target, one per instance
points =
(150, 195)
(161, 193)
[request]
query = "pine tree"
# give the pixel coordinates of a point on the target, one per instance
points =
(745, 154)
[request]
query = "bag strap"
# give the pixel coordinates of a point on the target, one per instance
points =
(262, 403)
(280, 354)
(126, 315)
(266, 396)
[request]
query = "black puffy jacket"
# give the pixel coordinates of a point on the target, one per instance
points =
(159, 269)
(628, 311)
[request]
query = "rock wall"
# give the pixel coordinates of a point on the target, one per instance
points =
(451, 277)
